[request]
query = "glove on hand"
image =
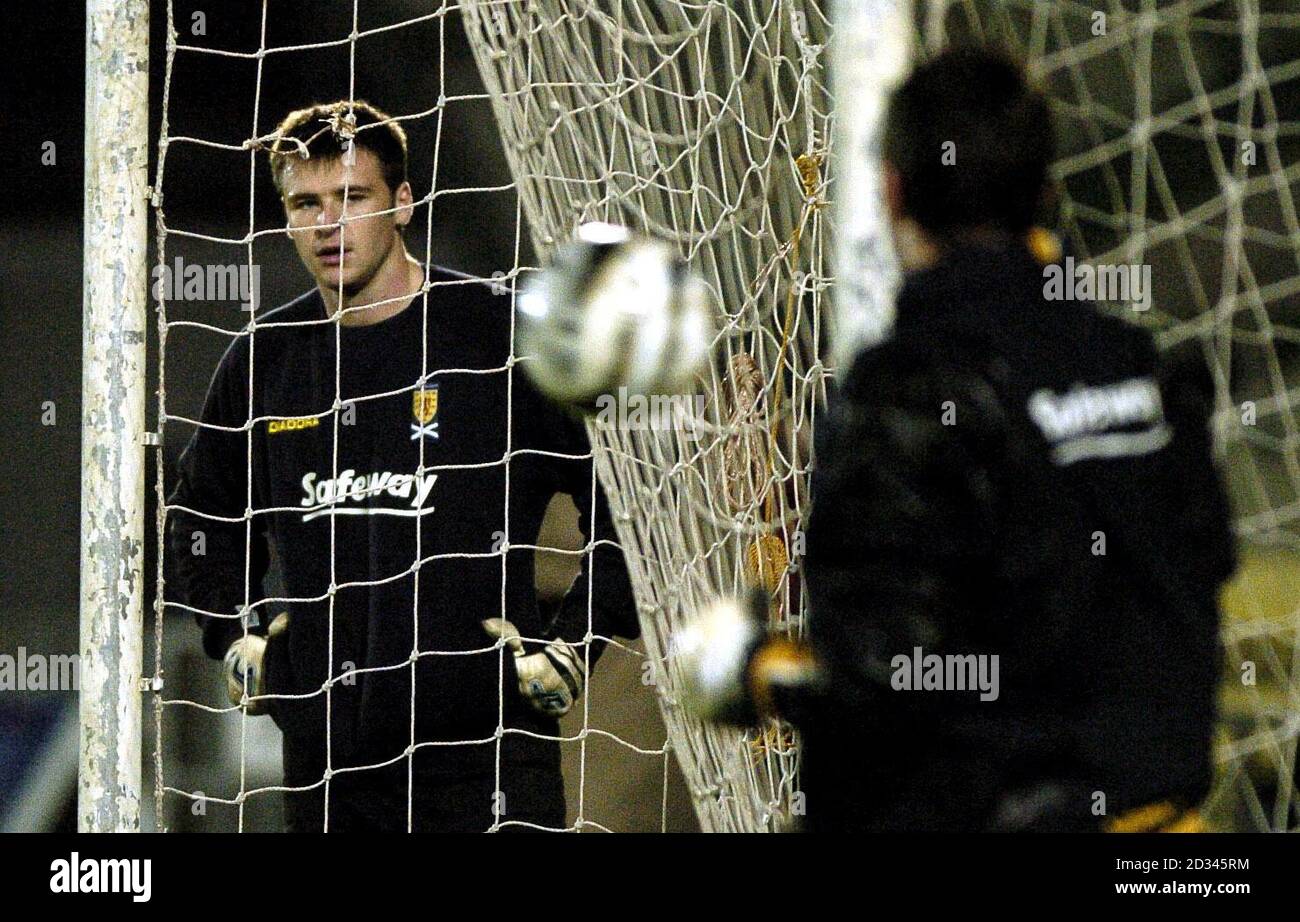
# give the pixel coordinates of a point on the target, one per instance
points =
(243, 665)
(550, 679)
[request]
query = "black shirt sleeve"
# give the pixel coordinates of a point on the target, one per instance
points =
(602, 586)
(901, 521)
(211, 555)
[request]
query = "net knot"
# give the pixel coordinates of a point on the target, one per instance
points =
(810, 172)
(343, 123)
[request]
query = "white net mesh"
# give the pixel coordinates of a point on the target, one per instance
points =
(704, 124)
(216, 767)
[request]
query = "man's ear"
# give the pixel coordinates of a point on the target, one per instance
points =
(403, 201)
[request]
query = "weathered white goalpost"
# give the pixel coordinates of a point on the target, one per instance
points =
(112, 413)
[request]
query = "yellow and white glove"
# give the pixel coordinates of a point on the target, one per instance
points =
(243, 664)
(550, 679)
(713, 655)
(731, 668)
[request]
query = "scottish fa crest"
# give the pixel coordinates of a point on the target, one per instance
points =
(424, 407)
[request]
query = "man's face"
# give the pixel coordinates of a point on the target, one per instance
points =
(346, 256)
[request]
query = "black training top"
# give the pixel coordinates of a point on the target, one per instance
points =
(1012, 477)
(390, 518)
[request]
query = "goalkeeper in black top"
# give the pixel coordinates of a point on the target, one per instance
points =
(1017, 533)
(399, 467)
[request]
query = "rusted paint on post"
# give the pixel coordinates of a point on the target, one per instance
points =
(112, 416)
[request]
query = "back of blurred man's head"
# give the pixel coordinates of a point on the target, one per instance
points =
(967, 144)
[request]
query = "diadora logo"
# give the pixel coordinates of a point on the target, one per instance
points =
(328, 494)
(292, 424)
(424, 407)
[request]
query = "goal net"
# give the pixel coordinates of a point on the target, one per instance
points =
(723, 126)
(217, 767)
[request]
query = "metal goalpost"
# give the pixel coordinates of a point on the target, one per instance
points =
(113, 414)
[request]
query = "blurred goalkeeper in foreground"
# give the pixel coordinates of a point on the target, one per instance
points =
(1017, 533)
(389, 504)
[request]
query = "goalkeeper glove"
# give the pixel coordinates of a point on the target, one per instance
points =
(243, 664)
(550, 679)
